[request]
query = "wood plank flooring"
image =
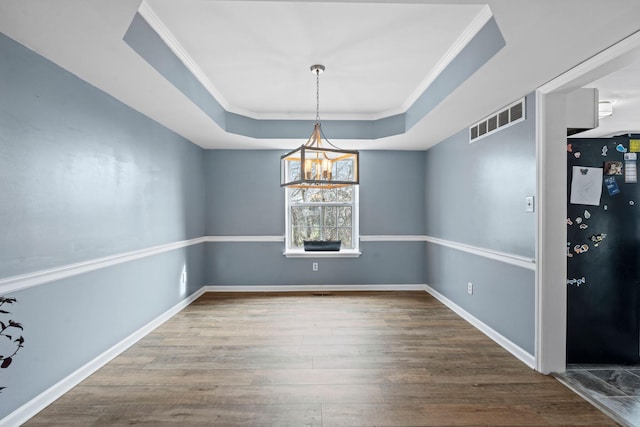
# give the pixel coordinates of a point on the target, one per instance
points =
(346, 359)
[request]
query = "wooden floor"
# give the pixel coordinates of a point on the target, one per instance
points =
(347, 359)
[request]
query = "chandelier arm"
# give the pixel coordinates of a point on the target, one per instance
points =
(327, 140)
(310, 141)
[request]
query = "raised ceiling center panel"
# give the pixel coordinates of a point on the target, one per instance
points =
(379, 56)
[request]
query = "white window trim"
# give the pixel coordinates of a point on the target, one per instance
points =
(342, 253)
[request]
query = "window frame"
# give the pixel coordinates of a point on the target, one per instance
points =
(290, 252)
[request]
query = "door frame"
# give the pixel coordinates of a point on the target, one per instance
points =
(551, 170)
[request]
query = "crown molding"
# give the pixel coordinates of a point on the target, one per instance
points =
(170, 40)
(461, 42)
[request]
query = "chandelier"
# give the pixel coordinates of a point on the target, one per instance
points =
(314, 165)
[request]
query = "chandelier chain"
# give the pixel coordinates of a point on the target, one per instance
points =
(317, 96)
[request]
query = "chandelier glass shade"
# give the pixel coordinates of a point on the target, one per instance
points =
(314, 165)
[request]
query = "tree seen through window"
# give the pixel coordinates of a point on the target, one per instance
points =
(321, 214)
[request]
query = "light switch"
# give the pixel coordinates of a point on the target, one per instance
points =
(528, 201)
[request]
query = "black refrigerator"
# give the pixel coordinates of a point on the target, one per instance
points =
(603, 284)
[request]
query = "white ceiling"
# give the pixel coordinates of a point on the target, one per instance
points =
(622, 89)
(257, 54)
(380, 55)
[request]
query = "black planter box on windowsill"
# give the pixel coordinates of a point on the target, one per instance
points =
(322, 245)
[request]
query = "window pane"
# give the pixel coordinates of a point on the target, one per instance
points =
(301, 234)
(344, 234)
(296, 195)
(296, 217)
(313, 216)
(330, 233)
(298, 235)
(344, 216)
(305, 216)
(330, 216)
(344, 194)
(293, 171)
(314, 233)
(329, 195)
(313, 195)
(344, 170)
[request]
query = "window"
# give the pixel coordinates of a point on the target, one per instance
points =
(322, 214)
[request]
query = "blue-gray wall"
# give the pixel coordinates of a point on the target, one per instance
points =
(83, 176)
(244, 199)
(475, 195)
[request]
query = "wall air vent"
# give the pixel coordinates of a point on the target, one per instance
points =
(497, 121)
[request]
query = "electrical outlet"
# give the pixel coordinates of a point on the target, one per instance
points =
(315, 266)
(470, 288)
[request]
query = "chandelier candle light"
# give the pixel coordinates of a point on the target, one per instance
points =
(314, 166)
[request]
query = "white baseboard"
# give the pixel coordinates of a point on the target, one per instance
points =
(505, 343)
(44, 399)
(313, 288)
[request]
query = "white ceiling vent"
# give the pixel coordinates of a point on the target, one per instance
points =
(497, 121)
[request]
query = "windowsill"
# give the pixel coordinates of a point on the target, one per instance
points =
(342, 253)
